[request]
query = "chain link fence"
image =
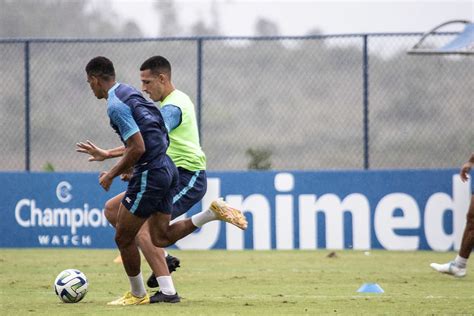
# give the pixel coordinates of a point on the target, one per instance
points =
(302, 103)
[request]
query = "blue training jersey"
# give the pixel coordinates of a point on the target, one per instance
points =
(129, 113)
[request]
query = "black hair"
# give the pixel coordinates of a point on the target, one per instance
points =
(101, 67)
(157, 65)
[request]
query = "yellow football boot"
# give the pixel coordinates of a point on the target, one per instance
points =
(130, 299)
(228, 214)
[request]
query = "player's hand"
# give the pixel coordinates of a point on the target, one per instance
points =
(105, 180)
(97, 153)
(127, 175)
(465, 170)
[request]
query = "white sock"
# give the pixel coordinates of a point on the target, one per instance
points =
(203, 217)
(460, 262)
(166, 285)
(137, 285)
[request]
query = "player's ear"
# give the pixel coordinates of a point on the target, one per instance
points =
(99, 81)
(162, 78)
(93, 79)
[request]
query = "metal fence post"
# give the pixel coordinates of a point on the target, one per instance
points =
(365, 71)
(199, 86)
(27, 105)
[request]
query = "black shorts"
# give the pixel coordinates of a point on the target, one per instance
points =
(150, 191)
(192, 185)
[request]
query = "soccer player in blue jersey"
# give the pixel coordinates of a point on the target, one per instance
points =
(185, 151)
(149, 197)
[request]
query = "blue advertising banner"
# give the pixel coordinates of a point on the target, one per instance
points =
(390, 209)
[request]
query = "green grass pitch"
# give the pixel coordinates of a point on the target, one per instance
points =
(243, 283)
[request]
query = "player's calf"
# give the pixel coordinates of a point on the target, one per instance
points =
(172, 263)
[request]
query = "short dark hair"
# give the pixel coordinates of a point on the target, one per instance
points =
(102, 67)
(157, 65)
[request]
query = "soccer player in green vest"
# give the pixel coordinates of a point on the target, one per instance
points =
(185, 151)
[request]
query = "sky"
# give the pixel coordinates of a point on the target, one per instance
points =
(298, 17)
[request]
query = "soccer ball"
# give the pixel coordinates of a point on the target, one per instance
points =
(71, 286)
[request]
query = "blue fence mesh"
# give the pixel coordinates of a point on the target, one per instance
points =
(320, 102)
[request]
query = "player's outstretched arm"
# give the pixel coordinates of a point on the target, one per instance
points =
(132, 153)
(97, 153)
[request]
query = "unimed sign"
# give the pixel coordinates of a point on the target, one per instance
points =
(394, 210)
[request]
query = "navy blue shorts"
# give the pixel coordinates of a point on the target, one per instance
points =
(192, 185)
(150, 191)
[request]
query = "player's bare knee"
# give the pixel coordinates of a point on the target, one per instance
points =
(142, 236)
(161, 241)
(122, 240)
(110, 213)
